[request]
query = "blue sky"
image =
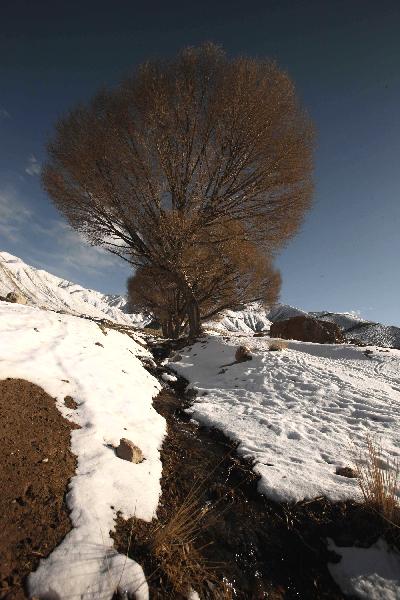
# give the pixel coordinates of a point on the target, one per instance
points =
(344, 57)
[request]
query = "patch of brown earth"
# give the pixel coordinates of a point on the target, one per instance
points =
(70, 402)
(36, 465)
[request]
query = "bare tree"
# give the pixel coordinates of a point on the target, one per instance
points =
(221, 276)
(168, 159)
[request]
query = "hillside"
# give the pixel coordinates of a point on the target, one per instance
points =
(256, 318)
(45, 290)
(75, 361)
(258, 434)
(367, 332)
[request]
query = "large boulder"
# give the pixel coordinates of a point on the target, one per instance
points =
(307, 329)
(16, 297)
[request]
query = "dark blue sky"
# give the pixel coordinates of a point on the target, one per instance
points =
(344, 57)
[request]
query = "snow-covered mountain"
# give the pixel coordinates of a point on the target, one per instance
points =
(251, 319)
(49, 291)
(257, 318)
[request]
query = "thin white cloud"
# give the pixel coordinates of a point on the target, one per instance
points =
(72, 250)
(51, 243)
(33, 167)
(14, 214)
(4, 114)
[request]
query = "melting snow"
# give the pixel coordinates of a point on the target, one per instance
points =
(296, 412)
(369, 573)
(114, 396)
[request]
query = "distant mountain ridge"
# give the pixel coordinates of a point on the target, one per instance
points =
(354, 327)
(49, 291)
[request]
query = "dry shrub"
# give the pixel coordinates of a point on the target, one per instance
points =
(277, 345)
(151, 331)
(378, 477)
(174, 544)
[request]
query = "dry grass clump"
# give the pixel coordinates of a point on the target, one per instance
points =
(152, 331)
(174, 545)
(277, 345)
(378, 477)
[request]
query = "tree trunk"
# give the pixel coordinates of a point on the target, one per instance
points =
(194, 318)
(164, 327)
(192, 307)
(170, 329)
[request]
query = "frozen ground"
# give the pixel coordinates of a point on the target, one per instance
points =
(297, 412)
(368, 573)
(67, 355)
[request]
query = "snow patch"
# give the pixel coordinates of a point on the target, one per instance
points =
(295, 412)
(168, 377)
(66, 355)
(370, 573)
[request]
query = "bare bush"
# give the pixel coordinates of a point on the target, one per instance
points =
(174, 545)
(277, 345)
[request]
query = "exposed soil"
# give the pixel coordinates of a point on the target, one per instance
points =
(36, 465)
(264, 549)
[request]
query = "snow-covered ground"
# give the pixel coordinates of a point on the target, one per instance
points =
(368, 573)
(48, 291)
(66, 355)
(297, 412)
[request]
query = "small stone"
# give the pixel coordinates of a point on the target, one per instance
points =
(242, 354)
(45, 460)
(346, 472)
(128, 451)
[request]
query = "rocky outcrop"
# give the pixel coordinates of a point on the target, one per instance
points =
(307, 329)
(16, 297)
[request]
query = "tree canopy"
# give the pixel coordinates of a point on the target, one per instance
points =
(182, 157)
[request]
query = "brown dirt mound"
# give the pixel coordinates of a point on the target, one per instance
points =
(36, 465)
